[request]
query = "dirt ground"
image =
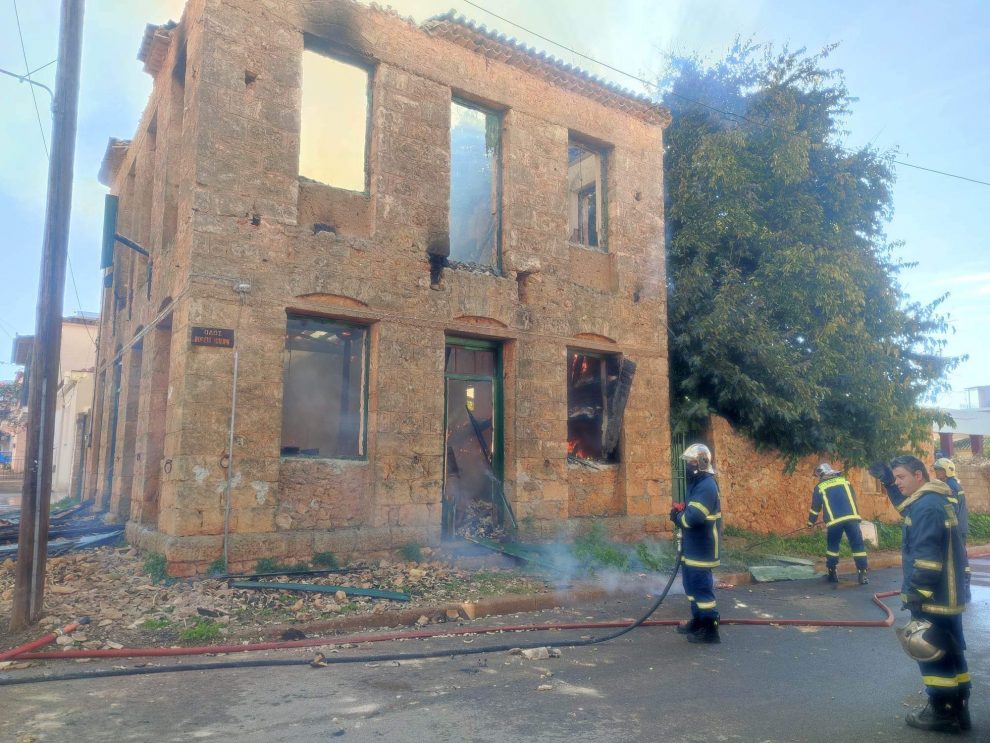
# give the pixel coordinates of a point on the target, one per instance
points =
(128, 607)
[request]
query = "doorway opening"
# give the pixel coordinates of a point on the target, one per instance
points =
(474, 502)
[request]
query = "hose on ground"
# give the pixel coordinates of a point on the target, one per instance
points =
(450, 652)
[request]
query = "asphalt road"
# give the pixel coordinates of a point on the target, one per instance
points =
(762, 684)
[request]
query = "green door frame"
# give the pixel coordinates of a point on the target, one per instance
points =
(498, 411)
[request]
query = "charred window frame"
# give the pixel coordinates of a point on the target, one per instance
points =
(325, 389)
(330, 102)
(592, 381)
(587, 196)
(475, 215)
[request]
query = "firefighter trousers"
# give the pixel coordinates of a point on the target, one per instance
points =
(947, 677)
(699, 585)
(833, 535)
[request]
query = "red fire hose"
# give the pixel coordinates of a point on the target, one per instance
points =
(43, 640)
(22, 653)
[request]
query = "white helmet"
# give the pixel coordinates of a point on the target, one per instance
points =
(702, 455)
(921, 640)
(826, 470)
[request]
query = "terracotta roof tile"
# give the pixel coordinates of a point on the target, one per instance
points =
(460, 30)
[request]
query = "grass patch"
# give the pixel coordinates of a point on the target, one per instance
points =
(326, 560)
(979, 528)
(217, 567)
(156, 623)
(155, 567)
(596, 551)
(65, 504)
(411, 552)
(202, 630)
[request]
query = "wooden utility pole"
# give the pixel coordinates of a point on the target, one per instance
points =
(29, 586)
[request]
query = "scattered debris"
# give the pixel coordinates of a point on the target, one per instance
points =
(543, 653)
(315, 588)
(768, 573)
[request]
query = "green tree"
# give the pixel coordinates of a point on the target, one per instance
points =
(10, 395)
(785, 313)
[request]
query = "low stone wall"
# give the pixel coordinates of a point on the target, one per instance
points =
(758, 493)
(975, 480)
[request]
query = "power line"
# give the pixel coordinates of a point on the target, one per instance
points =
(27, 69)
(729, 114)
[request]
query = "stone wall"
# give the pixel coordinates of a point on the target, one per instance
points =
(975, 480)
(211, 182)
(759, 494)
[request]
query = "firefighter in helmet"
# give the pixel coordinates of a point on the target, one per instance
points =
(701, 519)
(945, 471)
(935, 591)
(835, 495)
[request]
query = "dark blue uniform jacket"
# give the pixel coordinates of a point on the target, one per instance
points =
(933, 555)
(836, 496)
(702, 522)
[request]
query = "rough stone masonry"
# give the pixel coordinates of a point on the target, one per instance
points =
(377, 374)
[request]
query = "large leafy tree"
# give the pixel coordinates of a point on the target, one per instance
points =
(785, 313)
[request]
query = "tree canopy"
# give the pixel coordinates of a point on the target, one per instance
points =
(785, 313)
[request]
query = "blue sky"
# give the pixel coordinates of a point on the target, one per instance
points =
(919, 69)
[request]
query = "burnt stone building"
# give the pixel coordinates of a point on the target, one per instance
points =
(395, 275)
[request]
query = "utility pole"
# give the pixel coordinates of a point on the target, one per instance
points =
(32, 542)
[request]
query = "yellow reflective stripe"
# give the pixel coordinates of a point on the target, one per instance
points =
(813, 512)
(950, 574)
(831, 554)
(851, 517)
(683, 522)
(714, 517)
(907, 521)
(967, 570)
(926, 594)
(706, 604)
(852, 500)
(701, 563)
(963, 678)
(942, 610)
(690, 598)
(859, 554)
(715, 535)
(940, 681)
(695, 504)
(928, 564)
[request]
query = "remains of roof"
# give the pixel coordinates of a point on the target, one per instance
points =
(154, 46)
(462, 31)
(113, 158)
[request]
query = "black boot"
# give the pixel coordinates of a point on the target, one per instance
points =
(689, 627)
(962, 711)
(940, 715)
(707, 633)
(831, 576)
(863, 580)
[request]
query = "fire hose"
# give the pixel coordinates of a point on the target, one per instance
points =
(621, 628)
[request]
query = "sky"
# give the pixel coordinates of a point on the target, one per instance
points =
(919, 69)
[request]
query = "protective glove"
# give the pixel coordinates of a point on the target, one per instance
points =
(675, 513)
(912, 603)
(882, 471)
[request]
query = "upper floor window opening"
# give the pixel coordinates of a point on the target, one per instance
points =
(475, 185)
(333, 140)
(586, 206)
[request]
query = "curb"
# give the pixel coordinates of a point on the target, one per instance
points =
(517, 604)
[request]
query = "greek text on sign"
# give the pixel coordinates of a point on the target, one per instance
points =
(215, 337)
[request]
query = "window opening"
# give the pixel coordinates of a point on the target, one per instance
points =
(334, 122)
(324, 389)
(585, 195)
(475, 185)
(592, 380)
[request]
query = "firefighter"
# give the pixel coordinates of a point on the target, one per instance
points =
(836, 495)
(935, 591)
(945, 470)
(700, 519)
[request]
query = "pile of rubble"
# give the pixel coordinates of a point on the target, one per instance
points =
(128, 608)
